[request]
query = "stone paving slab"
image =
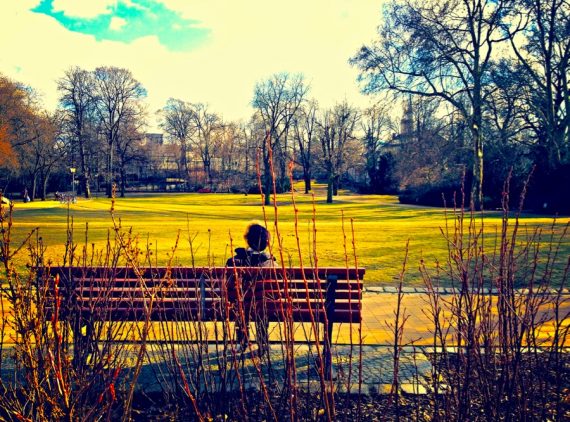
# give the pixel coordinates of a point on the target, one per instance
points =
(378, 314)
(376, 371)
(378, 306)
(374, 332)
(451, 290)
(373, 365)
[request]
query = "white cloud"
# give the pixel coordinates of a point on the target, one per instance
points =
(117, 23)
(250, 40)
(130, 4)
(85, 8)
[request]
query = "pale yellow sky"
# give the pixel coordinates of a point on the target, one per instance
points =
(248, 41)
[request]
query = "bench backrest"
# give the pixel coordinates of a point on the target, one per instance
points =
(210, 294)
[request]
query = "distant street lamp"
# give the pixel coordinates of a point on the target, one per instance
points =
(72, 170)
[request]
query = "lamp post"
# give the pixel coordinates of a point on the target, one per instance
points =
(72, 170)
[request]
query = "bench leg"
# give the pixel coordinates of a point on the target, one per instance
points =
(330, 300)
(328, 352)
(83, 344)
(242, 330)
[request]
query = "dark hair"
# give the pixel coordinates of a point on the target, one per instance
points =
(257, 237)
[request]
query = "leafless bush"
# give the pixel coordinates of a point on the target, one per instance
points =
(64, 368)
(74, 360)
(498, 340)
(497, 346)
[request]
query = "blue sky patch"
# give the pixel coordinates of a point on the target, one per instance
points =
(128, 22)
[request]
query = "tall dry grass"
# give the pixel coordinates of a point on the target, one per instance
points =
(495, 353)
(498, 343)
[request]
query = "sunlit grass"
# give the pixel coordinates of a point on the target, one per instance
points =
(382, 227)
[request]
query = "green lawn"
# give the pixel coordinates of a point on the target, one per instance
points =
(382, 227)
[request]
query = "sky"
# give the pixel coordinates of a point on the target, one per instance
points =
(208, 51)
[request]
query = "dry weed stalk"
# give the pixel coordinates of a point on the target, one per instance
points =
(489, 356)
(497, 346)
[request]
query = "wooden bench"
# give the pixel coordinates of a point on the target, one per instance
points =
(325, 296)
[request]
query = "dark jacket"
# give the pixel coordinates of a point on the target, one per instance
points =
(250, 258)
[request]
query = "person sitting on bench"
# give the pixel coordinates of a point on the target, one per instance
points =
(257, 238)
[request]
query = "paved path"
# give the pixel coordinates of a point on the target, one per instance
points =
(378, 312)
(378, 305)
(375, 354)
(376, 372)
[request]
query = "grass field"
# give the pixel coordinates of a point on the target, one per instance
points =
(382, 227)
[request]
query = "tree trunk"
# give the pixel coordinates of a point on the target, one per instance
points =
(283, 175)
(267, 182)
(109, 187)
(477, 182)
(307, 179)
(266, 176)
(123, 182)
(330, 189)
(44, 185)
(476, 125)
(34, 186)
(184, 171)
(208, 171)
(336, 183)
(84, 185)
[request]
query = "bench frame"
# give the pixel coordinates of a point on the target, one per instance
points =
(324, 295)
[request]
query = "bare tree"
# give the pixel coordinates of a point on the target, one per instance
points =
(540, 39)
(30, 141)
(205, 124)
(26, 131)
(52, 152)
(429, 154)
(305, 128)
(42, 152)
(116, 93)
(77, 99)
(337, 129)
(129, 138)
(278, 99)
(178, 123)
(231, 150)
(377, 127)
(439, 49)
(250, 133)
(509, 110)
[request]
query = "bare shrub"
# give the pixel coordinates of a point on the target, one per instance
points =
(498, 340)
(497, 346)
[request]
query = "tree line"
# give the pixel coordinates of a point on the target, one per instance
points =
(495, 73)
(465, 92)
(99, 131)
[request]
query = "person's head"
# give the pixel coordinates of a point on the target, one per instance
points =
(256, 236)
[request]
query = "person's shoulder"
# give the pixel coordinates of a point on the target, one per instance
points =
(240, 252)
(239, 259)
(268, 264)
(266, 260)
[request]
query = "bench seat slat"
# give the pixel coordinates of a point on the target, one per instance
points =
(215, 272)
(196, 284)
(176, 292)
(193, 314)
(272, 309)
(181, 303)
(185, 293)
